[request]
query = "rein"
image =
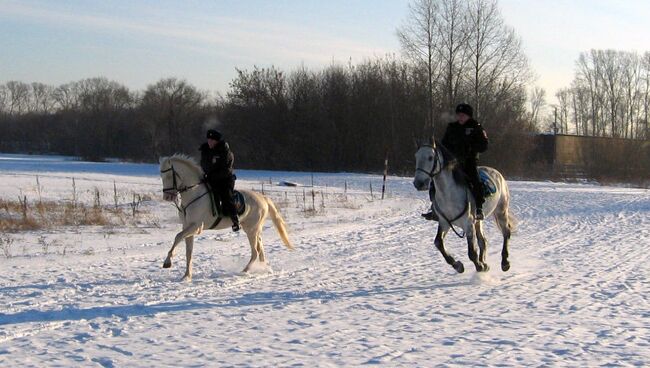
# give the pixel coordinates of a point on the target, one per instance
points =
(455, 218)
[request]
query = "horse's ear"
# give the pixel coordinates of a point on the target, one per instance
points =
(432, 141)
(416, 144)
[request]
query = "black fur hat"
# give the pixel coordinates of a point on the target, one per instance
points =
(465, 109)
(213, 134)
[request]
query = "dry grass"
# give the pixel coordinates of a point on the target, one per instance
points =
(20, 215)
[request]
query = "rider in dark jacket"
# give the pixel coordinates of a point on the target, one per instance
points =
(466, 138)
(217, 162)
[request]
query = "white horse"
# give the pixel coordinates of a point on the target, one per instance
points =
(181, 176)
(455, 205)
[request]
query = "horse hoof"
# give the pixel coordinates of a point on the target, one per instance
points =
(505, 266)
(484, 268)
(458, 266)
(186, 279)
(167, 264)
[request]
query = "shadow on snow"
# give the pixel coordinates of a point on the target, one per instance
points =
(275, 299)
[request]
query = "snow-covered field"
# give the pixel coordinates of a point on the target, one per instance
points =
(365, 285)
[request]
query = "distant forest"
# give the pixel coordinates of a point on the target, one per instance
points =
(344, 117)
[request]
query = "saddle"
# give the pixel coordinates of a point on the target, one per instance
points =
(217, 208)
(489, 187)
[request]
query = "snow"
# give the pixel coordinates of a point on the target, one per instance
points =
(365, 285)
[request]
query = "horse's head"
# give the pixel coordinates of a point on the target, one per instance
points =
(171, 179)
(179, 173)
(427, 165)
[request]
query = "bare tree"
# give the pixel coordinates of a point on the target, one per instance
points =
(496, 56)
(4, 99)
(452, 27)
(169, 107)
(18, 96)
(646, 93)
(564, 105)
(42, 98)
(419, 39)
(66, 96)
(537, 103)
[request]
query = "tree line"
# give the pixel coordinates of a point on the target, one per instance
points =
(97, 118)
(343, 117)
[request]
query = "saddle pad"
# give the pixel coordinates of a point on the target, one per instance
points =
(488, 185)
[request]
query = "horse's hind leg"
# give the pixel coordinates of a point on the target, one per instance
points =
(507, 233)
(440, 244)
(504, 223)
(482, 245)
(253, 236)
(260, 248)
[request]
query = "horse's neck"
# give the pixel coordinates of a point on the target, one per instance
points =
(190, 175)
(450, 193)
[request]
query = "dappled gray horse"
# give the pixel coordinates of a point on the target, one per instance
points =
(455, 204)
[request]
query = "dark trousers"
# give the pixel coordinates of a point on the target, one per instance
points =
(475, 185)
(224, 191)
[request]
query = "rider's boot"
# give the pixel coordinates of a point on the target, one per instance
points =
(235, 223)
(431, 215)
(479, 214)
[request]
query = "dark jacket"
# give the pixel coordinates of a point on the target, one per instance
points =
(218, 162)
(466, 141)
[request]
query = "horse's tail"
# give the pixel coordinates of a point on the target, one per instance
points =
(504, 218)
(278, 221)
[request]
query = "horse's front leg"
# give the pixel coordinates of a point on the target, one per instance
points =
(188, 231)
(189, 247)
(471, 248)
(482, 245)
(440, 244)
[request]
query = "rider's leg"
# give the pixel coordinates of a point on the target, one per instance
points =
(229, 202)
(477, 188)
(215, 186)
(431, 215)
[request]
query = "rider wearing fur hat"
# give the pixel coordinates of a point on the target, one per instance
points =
(466, 139)
(217, 161)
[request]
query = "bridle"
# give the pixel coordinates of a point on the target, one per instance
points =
(175, 190)
(436, 163)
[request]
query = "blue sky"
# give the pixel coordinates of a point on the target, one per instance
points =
(138, 42)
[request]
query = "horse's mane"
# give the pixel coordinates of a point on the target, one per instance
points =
(185, 159)
(452, 164)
